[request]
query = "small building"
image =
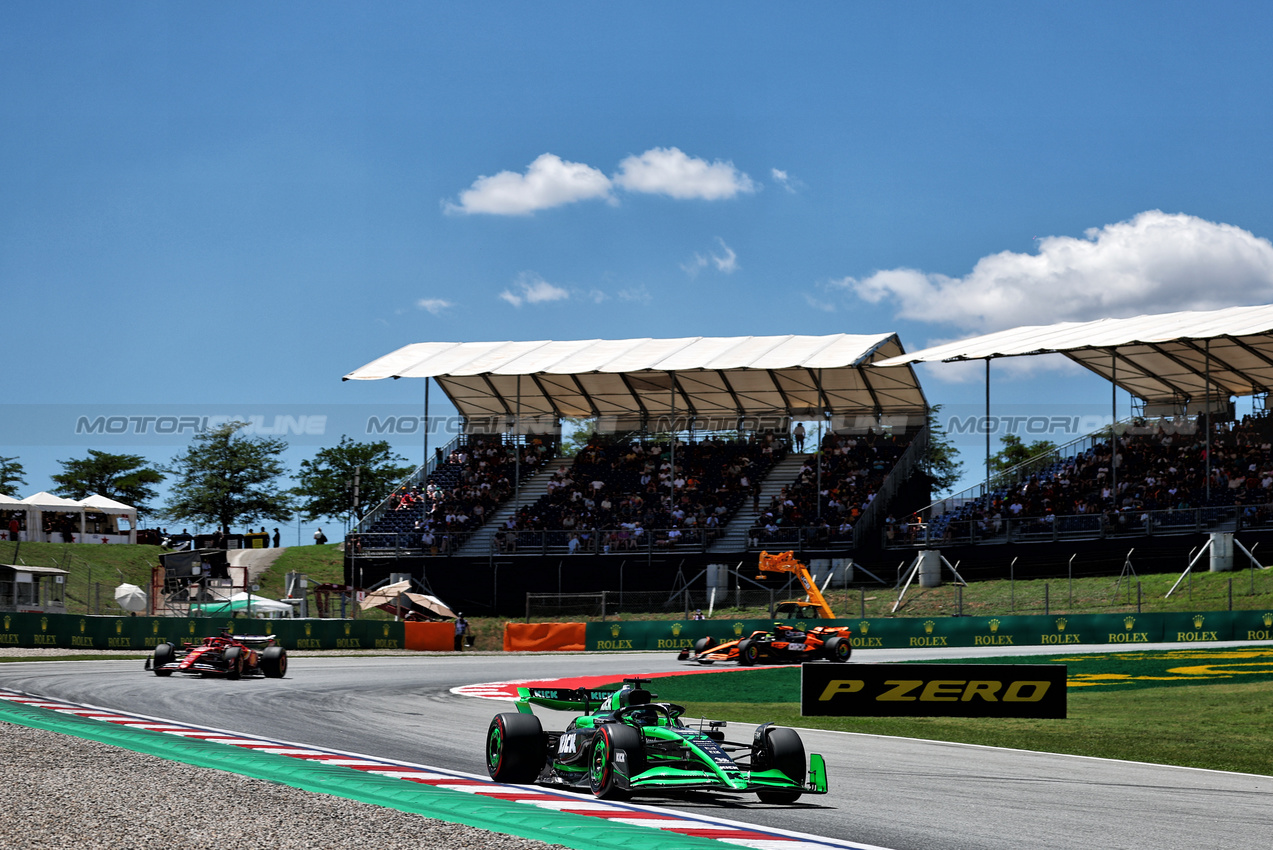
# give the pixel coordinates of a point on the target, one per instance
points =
(36, 590)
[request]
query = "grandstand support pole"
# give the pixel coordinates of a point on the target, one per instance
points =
(1250, 553)
(1113, 425)
(910, 576)
(425, 465)
(1012, 586)
(987, 490)
(671, 478)
(1188, 569)
(858, 566)
(1207, 396)
(1127, 568)
(1071, 578)
(517, 451)
(954, 570)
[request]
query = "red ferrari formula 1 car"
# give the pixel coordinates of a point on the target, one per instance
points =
(784, 645)
(231, 656)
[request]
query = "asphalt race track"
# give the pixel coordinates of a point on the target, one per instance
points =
(895, 793)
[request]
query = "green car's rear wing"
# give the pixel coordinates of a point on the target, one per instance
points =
(561, 699)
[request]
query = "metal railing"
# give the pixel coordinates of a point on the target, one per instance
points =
(1136, 523)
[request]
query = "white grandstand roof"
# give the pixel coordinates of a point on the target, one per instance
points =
(1165, 358)
(716, 378)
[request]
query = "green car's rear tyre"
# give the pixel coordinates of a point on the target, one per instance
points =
(514, 748)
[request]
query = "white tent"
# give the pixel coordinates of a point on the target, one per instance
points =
(8, 503)
(46, 503)
(241, 601)
(101, 504)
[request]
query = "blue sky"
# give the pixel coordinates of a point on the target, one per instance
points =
(237, 203)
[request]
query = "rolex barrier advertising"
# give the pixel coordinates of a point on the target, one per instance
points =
(902, 633)
(933, 690)
(70, 631)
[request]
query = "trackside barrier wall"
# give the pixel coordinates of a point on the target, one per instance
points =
(429, 637)
(72, 631)
(889, 633)
(544, 637)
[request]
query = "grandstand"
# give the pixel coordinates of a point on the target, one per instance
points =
(688, 430)
(680, 424)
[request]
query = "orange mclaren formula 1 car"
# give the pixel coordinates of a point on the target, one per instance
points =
(784, 645)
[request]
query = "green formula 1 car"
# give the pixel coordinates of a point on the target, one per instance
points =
(632, 745)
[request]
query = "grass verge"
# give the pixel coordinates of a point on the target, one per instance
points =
(1198, 708)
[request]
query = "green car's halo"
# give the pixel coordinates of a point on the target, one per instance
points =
(625, 743)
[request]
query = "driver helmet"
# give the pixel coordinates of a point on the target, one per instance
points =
(645, 717)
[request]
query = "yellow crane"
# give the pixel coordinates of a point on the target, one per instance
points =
(813, 605)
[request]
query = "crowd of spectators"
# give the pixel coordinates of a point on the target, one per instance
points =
(461, 493)
(853, 469)
(1157, 469)
(622, 494)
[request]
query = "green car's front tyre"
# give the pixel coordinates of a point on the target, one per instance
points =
(784, 751)
(612, 743)
(514, 748)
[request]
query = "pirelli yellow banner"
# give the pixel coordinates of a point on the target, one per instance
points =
(933, 690)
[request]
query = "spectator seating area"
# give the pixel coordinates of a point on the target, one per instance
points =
(853, 469)
(615, 495)
(459, 496)
(1161, 478)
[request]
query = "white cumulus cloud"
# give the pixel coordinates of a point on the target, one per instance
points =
(725, 260)
(530, 288)
(549, 181)
(434, 305)
(786, 181)
(1153, 263)
(671, 172)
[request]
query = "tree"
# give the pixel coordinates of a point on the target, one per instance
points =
(941, 463)
(327, 482)
(224, 479)
(1015, 452)
(582, 429)
(12, 475)
(125, 478)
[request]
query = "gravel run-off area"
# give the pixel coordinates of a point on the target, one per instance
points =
(58, 791)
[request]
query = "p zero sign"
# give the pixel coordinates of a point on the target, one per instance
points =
(933, 690)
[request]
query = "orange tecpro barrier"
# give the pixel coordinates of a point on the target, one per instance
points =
(433, 637)
(544, 637)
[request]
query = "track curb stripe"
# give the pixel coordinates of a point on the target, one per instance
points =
(540, 814)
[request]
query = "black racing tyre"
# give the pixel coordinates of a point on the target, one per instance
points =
(613, 742)
(703, 645)
(274, 662)
(748, 653)
(784, 751)
(837, 649)
(514, 748)
(165, 653)
(233, 658)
